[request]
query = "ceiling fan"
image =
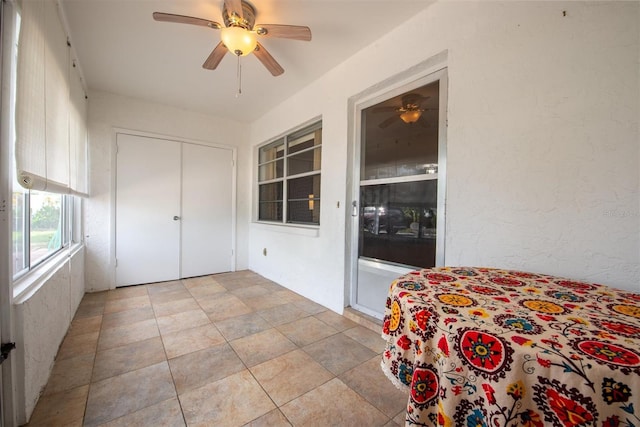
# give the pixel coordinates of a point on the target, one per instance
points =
(409, 112)
(240, 34)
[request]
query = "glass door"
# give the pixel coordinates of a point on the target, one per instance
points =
(400, 195)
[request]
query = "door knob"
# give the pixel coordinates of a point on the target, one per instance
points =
(176, 218)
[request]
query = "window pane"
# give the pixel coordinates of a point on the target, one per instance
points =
(19, 236)
(305, 162)
(46, 225)
(304, 211)
(270, 211)
(304, 188)
(304, 142)
(271, 192)
(398, 222)
(391, 147)
(303, 204)
(271, 170)
(272, 151)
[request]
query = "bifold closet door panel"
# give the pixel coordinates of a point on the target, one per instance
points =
(207, 210)
(148, 213)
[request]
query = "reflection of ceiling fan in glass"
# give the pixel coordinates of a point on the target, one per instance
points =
(409, 112)
(239, 35)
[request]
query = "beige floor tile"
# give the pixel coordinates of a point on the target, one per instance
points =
(190, 340)
(309, 306)
(223, 306)
(172, 285)
(126, 358)
(90, 308)
(339, 353)
(85, 326)
(367, 337)
(172, 307)
(232, 401)
(306, 331)
(123, 318)
(204, 289)
(70, 373)
(333, 404)
(113, 306)
(168, 296)
(192, 282)
(290, 375)
(127, 292)
(370, 382)
(127, 334)
(163, 414)
(76, 345)
(260, 347)
(184, 320)
(282, 314)
(401, 418)
(242, 326)
(341, 323)
(62, 408)
(264, 302)
(125, 394)
(250, 291)
(231, 284)
(274, 418)
(196, 369)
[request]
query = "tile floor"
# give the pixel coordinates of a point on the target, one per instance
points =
(230, 349)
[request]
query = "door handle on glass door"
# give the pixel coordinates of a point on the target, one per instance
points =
(354, 211)
(176, 218)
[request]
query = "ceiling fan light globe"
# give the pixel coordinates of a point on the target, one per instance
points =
(411, 116)
(239, 41)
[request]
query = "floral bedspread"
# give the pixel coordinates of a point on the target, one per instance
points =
(488, 347)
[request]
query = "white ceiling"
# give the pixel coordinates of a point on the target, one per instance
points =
(122, 50)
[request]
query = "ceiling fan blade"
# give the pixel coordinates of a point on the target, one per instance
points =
(215, 57)
(181, 19)
(388, 109)
(268, 61)
(295, 32)
(389, 121)
(234, 6)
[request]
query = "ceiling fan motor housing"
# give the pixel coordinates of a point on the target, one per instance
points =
(247, 21)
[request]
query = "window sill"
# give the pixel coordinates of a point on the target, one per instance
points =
(298, 229)
(27, 285)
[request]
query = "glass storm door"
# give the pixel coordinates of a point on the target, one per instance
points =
(400, 204)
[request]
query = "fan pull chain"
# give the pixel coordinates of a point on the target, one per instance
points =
(239, 78)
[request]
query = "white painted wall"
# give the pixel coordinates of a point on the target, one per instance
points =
(41, 323)
(108, 111)
(543, 143)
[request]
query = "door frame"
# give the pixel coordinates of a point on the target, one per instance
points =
(8, 369)
(428, 71)
(114, 151)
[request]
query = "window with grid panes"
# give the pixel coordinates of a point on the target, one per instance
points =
(289, 177)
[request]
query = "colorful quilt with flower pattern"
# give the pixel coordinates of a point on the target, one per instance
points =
(487, 347)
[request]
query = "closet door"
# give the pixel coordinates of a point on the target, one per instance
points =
(207, 210)
(147, 201)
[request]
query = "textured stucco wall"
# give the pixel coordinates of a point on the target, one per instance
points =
(108, 111)
(41, 322)
(543, 151)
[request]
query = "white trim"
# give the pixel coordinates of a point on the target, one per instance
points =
(255, 175)
(114, 155)
(428, 71)
(9, 371)
(26, 286)
(399, 179)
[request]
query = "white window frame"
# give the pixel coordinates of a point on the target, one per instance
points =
(290, 136)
